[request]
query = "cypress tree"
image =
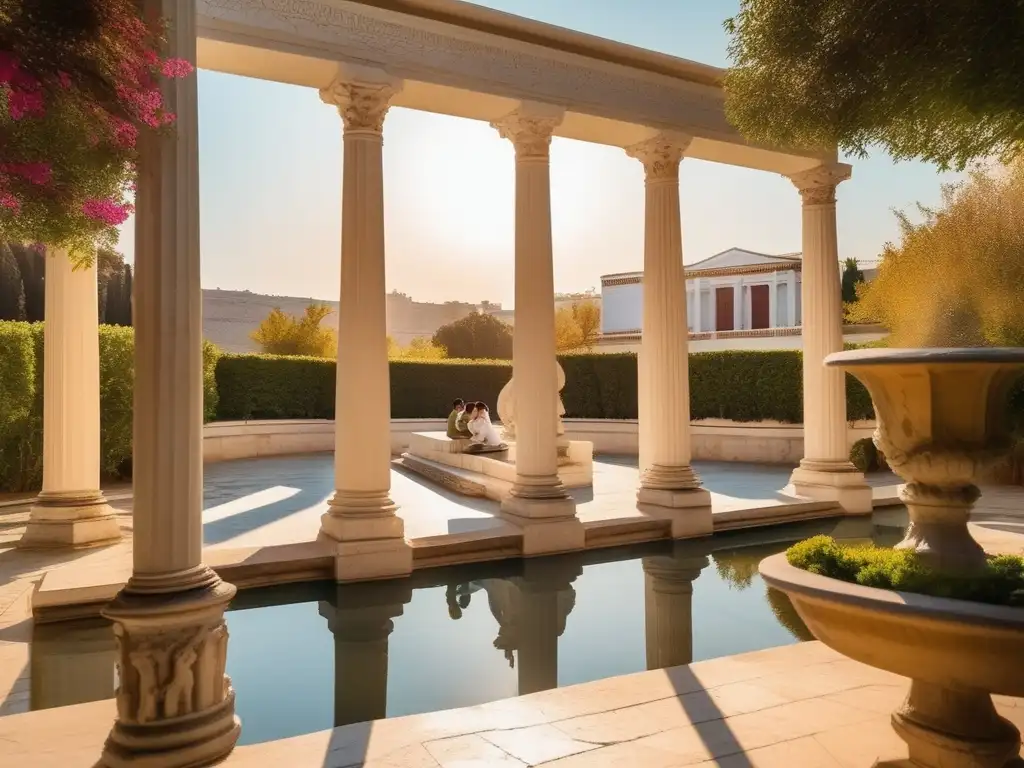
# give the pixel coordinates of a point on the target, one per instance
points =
(12, 290)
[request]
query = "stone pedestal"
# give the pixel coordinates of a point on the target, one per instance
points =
(668, 609)
(71, 511)
(175, 705)
(668, 485)
(361, 524)
(361, 623)
(538, 502)
(825, 473)
(72, 668)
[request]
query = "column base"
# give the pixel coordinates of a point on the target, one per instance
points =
(175, 705)
(838, 481)
(70, 521)
(366, 546)
(688, 511)
(549, 525)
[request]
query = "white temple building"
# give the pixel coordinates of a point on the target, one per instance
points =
(736, 299)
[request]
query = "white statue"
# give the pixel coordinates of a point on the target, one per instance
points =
(507, 406)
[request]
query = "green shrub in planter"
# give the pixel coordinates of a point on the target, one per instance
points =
(1002, 583)
(864, 455)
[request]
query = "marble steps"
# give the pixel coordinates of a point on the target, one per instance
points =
(462, 481)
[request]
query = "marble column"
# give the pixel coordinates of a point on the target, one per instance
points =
(175, 705)
(791, 299)
(361, 523)
(361, 622)
(668, 608)
(773, 301)
(539, 502)
(696, 306)
(71, 511)
(739, 301)
(668, 484)
(825, 473)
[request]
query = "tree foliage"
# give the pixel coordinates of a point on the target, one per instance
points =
(577, 326)
(419, 348)
(955, 277)
(281, 333)
(852, 277)
(477, 335)
(938, 81)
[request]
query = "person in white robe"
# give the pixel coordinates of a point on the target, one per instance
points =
(484, 433)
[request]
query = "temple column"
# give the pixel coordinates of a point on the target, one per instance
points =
(539, 502)
(696, 306)
(738, 304)
(361, 523)
(791, 290)
(668, 485)
(71, 511)
(825, 472)
(361, 623)
(773, 301)
(175, 705)
(668, 609)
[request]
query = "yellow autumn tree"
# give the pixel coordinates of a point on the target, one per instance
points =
(956, 277)
(578, 326)
(282, 333)
(419, 348)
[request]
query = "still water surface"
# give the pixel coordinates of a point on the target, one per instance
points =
(308, 657)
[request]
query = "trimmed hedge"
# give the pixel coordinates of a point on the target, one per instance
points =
(21, 402)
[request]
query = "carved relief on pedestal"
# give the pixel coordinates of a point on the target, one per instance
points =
(507, 406)
(170, 674)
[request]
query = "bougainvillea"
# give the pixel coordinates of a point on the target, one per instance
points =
(78, 82)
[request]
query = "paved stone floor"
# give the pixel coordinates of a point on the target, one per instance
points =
(799, 706)
(751, 710)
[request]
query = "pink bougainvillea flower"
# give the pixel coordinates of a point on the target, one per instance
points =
(10, 202)
(176, 68)
(107, 212)
(37, 173)
(125, 134)
(8, 67)
(25, 104)
(65, 79)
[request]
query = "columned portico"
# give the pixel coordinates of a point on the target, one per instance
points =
(71, 511)
(361, 523)
(175, 706)
(825, 471)
(539, 502)
(667, 480)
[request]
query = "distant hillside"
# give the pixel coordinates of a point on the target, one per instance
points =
(230, 317)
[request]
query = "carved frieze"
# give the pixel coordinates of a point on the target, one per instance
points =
(452, 56)
(170, 674)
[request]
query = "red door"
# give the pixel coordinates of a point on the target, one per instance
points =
(723, 309)
(760, 307)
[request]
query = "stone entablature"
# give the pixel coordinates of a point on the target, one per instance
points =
(631, 278)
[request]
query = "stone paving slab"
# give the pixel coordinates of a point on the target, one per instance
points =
(801, 705)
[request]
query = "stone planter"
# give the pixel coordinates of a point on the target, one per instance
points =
(955, 653)
(942, 427)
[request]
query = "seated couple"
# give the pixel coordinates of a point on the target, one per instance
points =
(472, 421)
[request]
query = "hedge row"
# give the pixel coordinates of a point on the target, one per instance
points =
(736, 385)
(21, 402)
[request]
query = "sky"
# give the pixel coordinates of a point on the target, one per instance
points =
(270, 189)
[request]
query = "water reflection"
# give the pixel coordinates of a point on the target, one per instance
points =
(308, 656)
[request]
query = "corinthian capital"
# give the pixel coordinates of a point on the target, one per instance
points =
(529, 128)
(362, 102)
(817, 186)
(661, 155)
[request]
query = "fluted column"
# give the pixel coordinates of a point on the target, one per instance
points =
(175, 705)
(668, 609)
(667, 480)
(361, 522)
(537, 495)
(70, 511)
(825, 472)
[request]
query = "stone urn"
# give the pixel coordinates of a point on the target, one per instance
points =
(942, 426)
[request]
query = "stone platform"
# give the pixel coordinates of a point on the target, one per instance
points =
(442, 460)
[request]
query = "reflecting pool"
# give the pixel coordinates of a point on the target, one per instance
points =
(308, 657)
